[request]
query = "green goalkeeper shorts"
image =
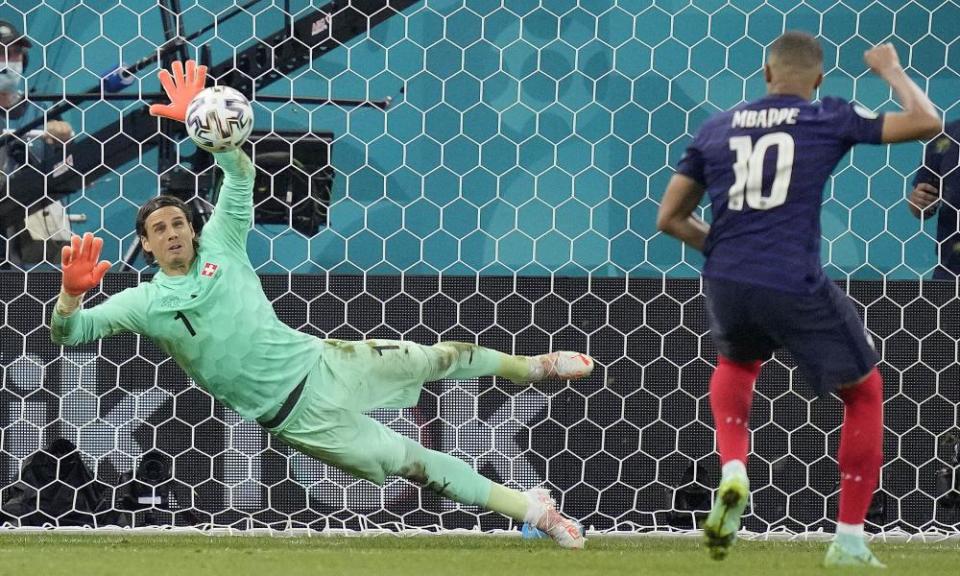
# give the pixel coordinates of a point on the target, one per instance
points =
(328, 420)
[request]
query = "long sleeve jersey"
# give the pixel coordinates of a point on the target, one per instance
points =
(215, 321)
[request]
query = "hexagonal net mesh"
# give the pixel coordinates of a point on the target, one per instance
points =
(483, 171)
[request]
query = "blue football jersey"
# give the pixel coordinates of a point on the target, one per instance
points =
(764, 165)
(941, 168)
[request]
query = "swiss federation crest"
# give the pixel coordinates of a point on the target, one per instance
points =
(209, 269)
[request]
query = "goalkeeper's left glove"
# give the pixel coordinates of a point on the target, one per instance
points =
(180, 89)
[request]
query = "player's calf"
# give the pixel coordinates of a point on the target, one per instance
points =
(860, 458)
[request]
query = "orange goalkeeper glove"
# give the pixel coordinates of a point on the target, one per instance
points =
(180, 89)
(81, 271)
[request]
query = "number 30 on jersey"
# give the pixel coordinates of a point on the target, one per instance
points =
(748, 171)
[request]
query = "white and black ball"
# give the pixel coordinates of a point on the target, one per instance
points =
(219, 119)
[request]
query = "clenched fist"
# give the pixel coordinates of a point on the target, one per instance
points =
(882, 59)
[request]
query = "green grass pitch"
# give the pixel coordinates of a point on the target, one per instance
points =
(53, 554)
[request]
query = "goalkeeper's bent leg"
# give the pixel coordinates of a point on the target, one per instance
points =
(454, 479)
(390, 373)
(461, 361)
(364, 447)
(398, 362)
(444, 474)
(367, 449)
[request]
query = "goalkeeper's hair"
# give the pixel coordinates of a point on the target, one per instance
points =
(152, 206)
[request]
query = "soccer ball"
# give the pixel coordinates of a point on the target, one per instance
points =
(219, 119)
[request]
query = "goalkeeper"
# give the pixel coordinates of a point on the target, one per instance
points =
(206, 308)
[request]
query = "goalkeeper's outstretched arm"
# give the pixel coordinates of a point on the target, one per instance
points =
(233, 215)
(82, 271)
(236, 193)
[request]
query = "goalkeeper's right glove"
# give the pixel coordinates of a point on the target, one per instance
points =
(180, 89)
(81, 271)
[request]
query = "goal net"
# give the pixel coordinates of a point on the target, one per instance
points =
(484, 171)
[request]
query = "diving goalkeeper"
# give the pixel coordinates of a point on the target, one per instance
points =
(206, 308)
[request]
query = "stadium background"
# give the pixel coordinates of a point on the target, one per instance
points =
(513, 182)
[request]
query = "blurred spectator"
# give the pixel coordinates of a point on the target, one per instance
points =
(936, 188)
(41, 149)
(13, 63)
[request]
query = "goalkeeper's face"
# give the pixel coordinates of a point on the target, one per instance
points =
(169, 237)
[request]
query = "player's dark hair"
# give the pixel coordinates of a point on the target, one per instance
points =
(795, 48)
(152, 206)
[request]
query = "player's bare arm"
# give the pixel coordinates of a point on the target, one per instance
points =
(676, 214)
(919, 118)
(924, 200)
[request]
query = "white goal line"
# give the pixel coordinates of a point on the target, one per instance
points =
(780, 535)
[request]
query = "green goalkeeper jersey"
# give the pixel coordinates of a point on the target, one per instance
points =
(215, 321)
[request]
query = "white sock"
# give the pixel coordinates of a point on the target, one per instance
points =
(733, 468)
(536, 372)
(534, 510)
(850, 530)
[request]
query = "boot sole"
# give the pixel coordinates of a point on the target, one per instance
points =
(718, 542)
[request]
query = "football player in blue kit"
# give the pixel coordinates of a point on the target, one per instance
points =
(764, 165)
(936, 190)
